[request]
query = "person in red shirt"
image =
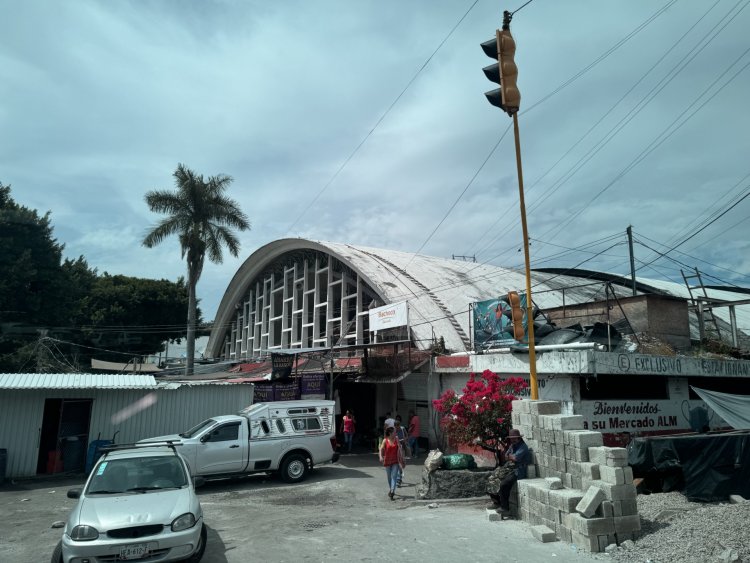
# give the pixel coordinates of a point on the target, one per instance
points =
(347, 428)
(392, 458)
(414, 434)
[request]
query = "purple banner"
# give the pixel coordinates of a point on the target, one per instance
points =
(313, 384)
(286, 391)
(263, 393)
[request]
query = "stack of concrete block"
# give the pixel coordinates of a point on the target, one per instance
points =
(578, 488)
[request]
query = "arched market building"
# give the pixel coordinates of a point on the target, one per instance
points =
(313, 300)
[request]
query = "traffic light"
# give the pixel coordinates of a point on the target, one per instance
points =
(516, 315)
(504, 72)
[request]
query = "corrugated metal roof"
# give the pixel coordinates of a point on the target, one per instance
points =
(76, 381)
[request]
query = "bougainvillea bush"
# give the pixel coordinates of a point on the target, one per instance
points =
(482, 411)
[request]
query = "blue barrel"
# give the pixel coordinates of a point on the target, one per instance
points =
(3, 464)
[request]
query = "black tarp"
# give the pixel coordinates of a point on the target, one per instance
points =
(707, 467)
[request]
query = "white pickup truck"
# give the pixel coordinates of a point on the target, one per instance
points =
(288, 437)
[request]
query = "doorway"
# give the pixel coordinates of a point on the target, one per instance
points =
(64, 435)
(360, 399)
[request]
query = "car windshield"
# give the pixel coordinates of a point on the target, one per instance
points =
(137, 474)
(198, 428)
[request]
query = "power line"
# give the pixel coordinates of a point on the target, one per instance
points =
(379, 121)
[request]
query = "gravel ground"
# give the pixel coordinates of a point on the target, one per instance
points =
(677, 530)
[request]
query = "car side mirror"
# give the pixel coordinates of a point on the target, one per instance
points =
(74, 493)
(205, 438)
(198, 481)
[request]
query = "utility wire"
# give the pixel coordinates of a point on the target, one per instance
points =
(379, 121)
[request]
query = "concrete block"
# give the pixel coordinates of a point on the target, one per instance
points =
(544, 407)
(615, 462)
(591, 501)
(493, 516)
(521, 406)
(587, 439)
(585, 542)
(627, 524)
(592, 526)
(613, 492)
(628, 474)
(576, 482)
(581, 454)
(515, 418)
(589, 470)
(525, 419)
(606, 509)
(531, 471)
(571, 422)
(554, 483)
(543, 534)
(565, 500)
(559, 449)
(573, 467)
(735, 499)
(613, 475)
(597, 455)
(567, 480)
(565, 535)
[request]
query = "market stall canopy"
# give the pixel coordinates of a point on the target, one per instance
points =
(734, 409)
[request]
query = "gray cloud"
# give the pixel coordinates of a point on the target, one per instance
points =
(100, 100)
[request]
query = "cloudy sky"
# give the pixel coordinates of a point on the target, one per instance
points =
(634, 112)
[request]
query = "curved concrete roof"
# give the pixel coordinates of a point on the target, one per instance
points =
(438, 290)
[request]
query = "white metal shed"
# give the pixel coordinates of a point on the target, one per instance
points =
(47, 421)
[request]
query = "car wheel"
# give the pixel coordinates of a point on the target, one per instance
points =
(198, 555)
(57, 554)
(294, 468)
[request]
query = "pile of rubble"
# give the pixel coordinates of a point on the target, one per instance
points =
(675, 530)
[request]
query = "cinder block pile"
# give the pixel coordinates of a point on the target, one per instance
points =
(578, 488)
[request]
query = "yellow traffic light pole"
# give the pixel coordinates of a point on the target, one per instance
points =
(529, 304)
(508, 98)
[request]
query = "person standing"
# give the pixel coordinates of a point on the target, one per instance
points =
(413, 431)
(389, 422)
(392, 458)
(401, 438)
(347, 428)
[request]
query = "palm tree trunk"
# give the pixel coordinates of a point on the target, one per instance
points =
(192, 306)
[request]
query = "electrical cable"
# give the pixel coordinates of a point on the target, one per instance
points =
(379, 121)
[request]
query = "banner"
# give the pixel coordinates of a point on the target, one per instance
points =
(281, 365)
(263, 393)
(389, 316)
(492, 322)
(313, 386)
(286, 391)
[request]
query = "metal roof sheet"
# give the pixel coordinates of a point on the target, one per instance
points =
(76, 381)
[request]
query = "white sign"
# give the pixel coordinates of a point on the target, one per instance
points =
(389, 316)
(636, 416)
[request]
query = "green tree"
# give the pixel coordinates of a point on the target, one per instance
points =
(32, 287)
(203, 218)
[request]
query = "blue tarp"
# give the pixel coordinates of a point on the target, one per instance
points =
(733, 409)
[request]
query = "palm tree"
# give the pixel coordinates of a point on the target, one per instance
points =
(203, 218)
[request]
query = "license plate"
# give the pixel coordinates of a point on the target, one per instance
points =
(134, 551)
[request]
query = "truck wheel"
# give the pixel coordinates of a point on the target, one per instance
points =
(57, 554)
(198, 555)
(294, 468)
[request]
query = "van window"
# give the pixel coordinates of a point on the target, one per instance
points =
(307, 423)
(280, 425)
(303, 410)
(264, 426)
(225, 433)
